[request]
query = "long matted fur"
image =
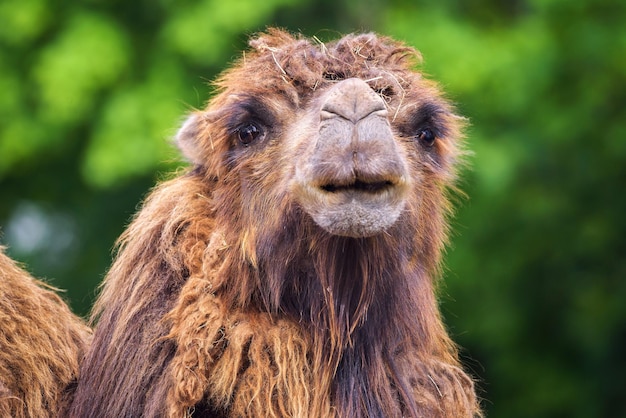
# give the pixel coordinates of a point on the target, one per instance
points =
(228, 299)
(41, 344)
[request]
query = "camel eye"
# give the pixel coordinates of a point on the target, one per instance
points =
(426, 137)
(248, 133)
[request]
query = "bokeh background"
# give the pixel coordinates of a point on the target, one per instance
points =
(535, 287)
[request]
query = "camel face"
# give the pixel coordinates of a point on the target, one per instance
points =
(351, 177)
(345, 139)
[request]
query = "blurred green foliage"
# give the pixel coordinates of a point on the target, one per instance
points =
(535, 290)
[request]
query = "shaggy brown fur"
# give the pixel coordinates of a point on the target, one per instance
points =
(41, 344)
(291, 271)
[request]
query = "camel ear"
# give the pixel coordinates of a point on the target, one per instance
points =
(187, 138)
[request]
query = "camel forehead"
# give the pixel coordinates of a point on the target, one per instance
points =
(301, 67)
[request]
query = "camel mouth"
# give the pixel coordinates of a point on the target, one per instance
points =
(354, 208)
(359, 186)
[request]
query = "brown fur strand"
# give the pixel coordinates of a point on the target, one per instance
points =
(41, 344)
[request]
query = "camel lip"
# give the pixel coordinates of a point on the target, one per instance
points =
(372, 187)
(355, 207)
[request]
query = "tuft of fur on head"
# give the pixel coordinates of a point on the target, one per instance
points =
(229, 297)
(41, 345)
